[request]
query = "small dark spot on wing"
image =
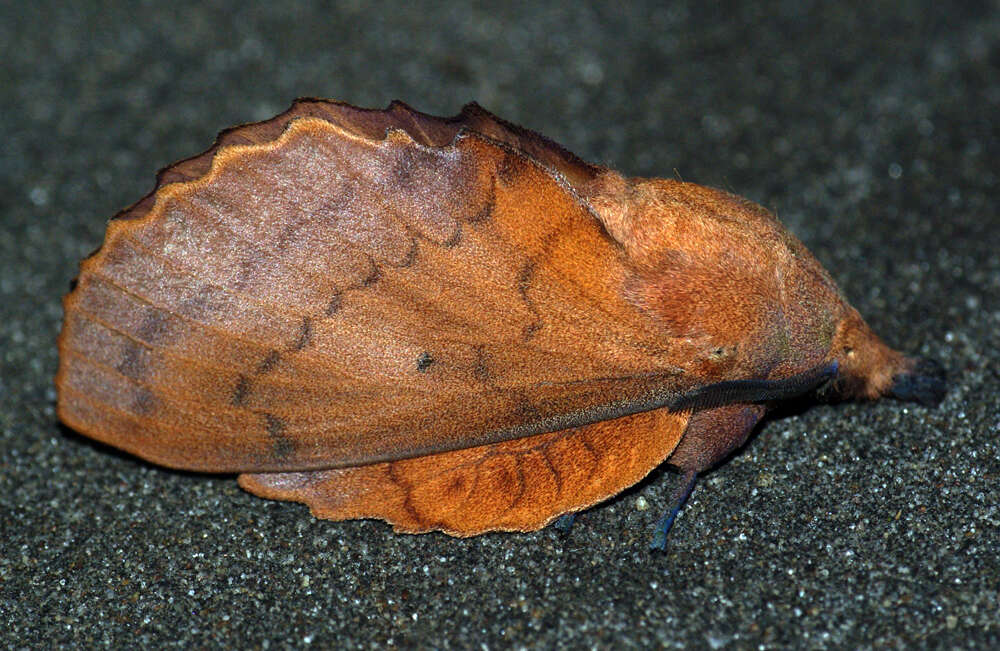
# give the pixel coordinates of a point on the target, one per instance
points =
(524, 279)
(143, 402)
(288, 234)
(404, 167)
(424, 362)
(153, 328)
(528, 411)
(372, 276)
(529, 330)
(282, 447)
(486, 212)
(410, 161)
(484, 215)
(454, 239)
(248, 272)
(410, 257)
(305, 334)
(269, 362)
(457, 484)
(198, 306)
(508, 168)
(335, 303)
(132, 365)
(482, 369)
(241, 391)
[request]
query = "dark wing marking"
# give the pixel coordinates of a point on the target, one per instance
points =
(264, 309)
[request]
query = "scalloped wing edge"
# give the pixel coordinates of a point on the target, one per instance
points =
(375, 124)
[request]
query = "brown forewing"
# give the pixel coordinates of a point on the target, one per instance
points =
(314, 292)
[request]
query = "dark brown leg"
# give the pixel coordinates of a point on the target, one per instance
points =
(678, 499)
(711, 435)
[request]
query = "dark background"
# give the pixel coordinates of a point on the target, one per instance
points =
(870, 128)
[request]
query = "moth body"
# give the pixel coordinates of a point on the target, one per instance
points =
(447, 323)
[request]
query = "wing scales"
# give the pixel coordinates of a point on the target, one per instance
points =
(414, 299)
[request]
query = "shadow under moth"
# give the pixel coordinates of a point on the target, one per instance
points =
(450, 324)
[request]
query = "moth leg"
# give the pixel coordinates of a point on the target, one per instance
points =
(711, 435)
(680, 496)
(565, 522)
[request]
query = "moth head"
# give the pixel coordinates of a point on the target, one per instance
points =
(868, 368)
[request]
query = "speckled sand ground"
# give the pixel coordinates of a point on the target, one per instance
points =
(871, 131)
